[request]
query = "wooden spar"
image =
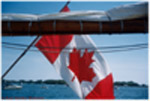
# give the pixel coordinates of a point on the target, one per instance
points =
(25, 28)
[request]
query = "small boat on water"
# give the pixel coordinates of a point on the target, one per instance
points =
(116, 87)
(13, 87)
(44, 87)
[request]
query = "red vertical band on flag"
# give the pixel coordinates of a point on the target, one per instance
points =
(53, 45)
(103, 90)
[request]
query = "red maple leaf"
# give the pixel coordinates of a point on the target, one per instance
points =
(80, 65)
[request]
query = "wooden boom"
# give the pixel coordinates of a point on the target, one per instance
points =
(25, 28)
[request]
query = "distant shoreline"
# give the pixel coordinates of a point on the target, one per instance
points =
(117, 83)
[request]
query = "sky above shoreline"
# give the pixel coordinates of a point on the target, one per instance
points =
(125, 66)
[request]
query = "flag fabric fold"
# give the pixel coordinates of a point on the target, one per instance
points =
(77, 60)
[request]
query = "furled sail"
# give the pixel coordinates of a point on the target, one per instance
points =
(124, 19)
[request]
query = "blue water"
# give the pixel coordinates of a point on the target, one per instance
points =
(36, 91)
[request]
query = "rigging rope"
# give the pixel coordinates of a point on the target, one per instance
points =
(104, 47)
(108, 49)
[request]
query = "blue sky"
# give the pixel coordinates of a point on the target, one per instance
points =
(125, 66)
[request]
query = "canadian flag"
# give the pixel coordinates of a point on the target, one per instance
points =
(76, 60)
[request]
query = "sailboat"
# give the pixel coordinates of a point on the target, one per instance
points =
(13, 86)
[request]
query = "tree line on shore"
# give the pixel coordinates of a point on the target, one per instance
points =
(117, 83)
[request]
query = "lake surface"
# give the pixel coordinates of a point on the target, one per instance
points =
(44, 91)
